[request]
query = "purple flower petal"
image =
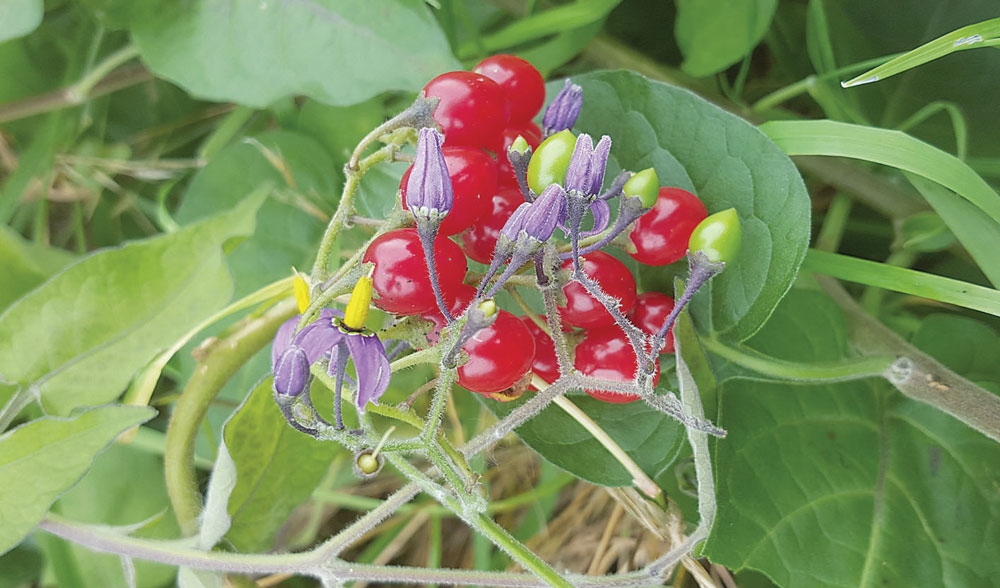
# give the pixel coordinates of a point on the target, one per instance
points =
(564, 110)
(319, 336)
(602, 217)
(372, 367)
(282, 339)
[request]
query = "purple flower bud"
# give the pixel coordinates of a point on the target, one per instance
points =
(545, 213)
(585, 174)
(513, 226)
(291, 372)
(565, 108)
(429, 193)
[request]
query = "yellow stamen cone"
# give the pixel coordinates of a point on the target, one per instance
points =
(356, 312)
(301, 290)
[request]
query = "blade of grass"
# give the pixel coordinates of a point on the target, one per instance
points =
(907, 281)
(891, 148)
(978, 234)
(974, 36)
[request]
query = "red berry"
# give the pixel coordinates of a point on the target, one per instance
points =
(521, 82)
(545, 366)
(649, 312)
(532, 135)
(661, 235)
(499, 356)
(582, 309)
(481, 238)
(401, 279)
(458, 300)
(473, 179)
(606, 353)
(472, 109)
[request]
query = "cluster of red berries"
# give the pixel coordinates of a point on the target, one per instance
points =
(481, 114)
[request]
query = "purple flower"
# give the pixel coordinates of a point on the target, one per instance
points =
(585, 174)
(564, 110)
(328, 337)
(429, 193)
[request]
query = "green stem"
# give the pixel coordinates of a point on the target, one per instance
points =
(428, 355)
(223, 360)
(834, 224)
(838, 371)
(904, 280)
(500, 537)
(435, 413)
(345, 209)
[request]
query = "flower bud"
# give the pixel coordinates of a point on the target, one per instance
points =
(585, 174)
(564, 110)
(291, 373)
(429, 193)
(544, 214)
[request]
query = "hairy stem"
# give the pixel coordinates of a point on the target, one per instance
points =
(222, 361)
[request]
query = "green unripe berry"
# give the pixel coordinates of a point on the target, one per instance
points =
(644, 185)
(719, 236)
(367, 463)
(550, 161)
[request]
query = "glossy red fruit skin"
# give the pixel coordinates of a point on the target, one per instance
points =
(545, 366)
(401, 278)
(472, 110)
(473, 180)
(479, 241)
(521, 82)
(649, 312)
(582, 309)
(606, 353)
(532, 135)
(661, 235)
(499, 356)
(458, 300)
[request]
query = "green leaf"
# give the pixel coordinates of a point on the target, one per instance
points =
(42, 459)
(848, 484)
(974, 36)
(336, 52)
(19, 17)
(727, 163)
(277, 468)
(25, 265)
(288, 228)
(215, 519)
(652, 439)
(714, 34)
(123, 487)
(78, 339)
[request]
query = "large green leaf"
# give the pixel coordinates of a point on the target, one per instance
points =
(714, 34)
(727, 163)
(42, 459)
(25, 265)
(277, 468)
(849, 484)
(124, 487)
(77, 339)
(650, 438)
(338, 52)
(19, 17)
(304, 183)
